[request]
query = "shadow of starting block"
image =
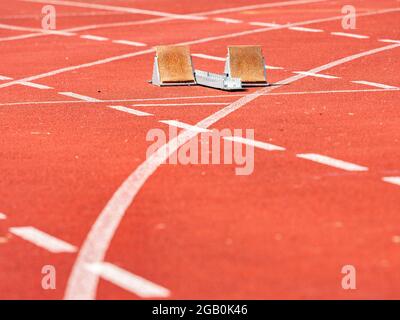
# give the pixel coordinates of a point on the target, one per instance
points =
(246, 63)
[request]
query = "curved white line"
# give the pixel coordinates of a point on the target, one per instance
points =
(82, 284)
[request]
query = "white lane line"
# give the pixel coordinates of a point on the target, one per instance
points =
(180, 104)
(255, 143)
(350, 35)
(34, 85)
(42, 239)
(79, 97)
(259, 6)
(72, 14)
(328, 91)
(2, 216)
(89, 27)
(227, 20)
(77, 67)
(130, 43)
(375, 84)
(157, 20)
(389, 40)
(19, 28)
(317, 75)
(82, 285)
(192, 97)
(393, 180)
(340, 164)
(131, 111)
(116, 9)
(5, 78)
(183, 125)
(206, 56)
(128, 281)
(273, 68)
(95, 38)
(203, 40)
(96, 13)
(305, 29)
(265, 24)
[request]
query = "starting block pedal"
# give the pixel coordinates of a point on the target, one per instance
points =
(173, 66)
(246, 63)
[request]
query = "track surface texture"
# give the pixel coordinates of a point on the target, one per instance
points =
(80, 195)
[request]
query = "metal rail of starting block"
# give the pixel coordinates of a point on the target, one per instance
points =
(217, 81)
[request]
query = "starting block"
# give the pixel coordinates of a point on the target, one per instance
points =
(173, 67)
(246, 63)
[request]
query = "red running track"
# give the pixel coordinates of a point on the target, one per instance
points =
(77, 170)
